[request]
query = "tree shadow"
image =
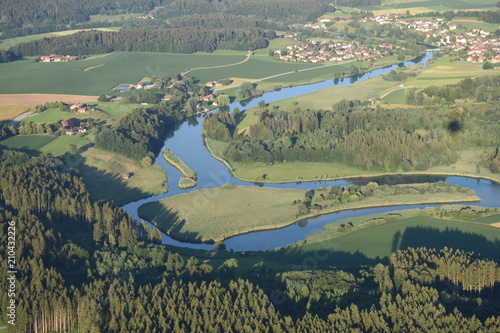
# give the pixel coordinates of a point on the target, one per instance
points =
(168, 221)
(109, 186)
(452, 238)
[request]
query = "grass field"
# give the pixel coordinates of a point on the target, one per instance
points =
(416, 6)
(9, 42)
(59, 146)
(10, 111)
(443, 72)
(101, 172)
(216, 214)
(26, 143)
(375, 239)
(26, 76)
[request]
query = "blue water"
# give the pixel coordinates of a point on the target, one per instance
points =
(187, 143)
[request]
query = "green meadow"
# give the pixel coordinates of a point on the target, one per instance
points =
(27, 76)
(373, 238)
(219, 213)
(60, 145)
(29, 144)
(388, 6)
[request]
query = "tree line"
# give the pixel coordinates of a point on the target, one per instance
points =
(146, 39)
(29, 17)
(140, 133)
(85, 265)
(286, 11)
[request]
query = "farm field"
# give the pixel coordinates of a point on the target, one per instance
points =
(216, 214)
(376, 239)
(26, 76)
(35, 99)
(59, 146)
(101, 172)
(29, 144)
(10, 111)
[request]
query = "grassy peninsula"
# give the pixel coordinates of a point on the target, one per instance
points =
(189, 179)
(216, 214)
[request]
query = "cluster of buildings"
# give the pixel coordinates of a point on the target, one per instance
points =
(321, 51)
(79, 107)
(56, 58)
(477, 43)
(77, 126)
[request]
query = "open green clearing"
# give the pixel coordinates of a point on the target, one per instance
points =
(374, 239)
(59, 146)
(26, 76)
(101, 171)
(9, 42)
(216, 214)
(29, 144)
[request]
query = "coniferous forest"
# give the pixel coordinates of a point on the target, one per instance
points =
(85, 265)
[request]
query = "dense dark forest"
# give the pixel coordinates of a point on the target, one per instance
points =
(141, 133)
(84, 265)
(146, 39)
(224, 20)
(23, 17)
(366, 136)
(286, 11)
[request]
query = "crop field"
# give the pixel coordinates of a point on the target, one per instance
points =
(9, 42)
(472, 23)
(59, 146)
(26, 143)
(443, 72)
(215, 214)
(102, 170)
(377, 239)
(26, 76)
(10, 111)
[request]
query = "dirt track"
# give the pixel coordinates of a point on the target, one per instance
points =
(496, 225)
(35, 99)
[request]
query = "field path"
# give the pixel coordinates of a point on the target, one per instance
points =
(16, 120)
(250, 53)
(286, 73)
(387, 93)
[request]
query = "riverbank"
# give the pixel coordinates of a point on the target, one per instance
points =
(288, 172)
(212, 215)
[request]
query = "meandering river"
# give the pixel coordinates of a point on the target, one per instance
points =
(187, 142)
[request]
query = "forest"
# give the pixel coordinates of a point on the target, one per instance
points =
(85, 265)
(367, 136)
(140, 134)
(146, 39)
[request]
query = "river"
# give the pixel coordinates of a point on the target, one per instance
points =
(187, 142)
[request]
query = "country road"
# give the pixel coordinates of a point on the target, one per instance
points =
(16, 120)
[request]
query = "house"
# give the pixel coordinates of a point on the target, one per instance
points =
(82, 110)
(64, 123)
(166, 97)
(126, 175)
(76, 105)
(208, 97)
(45, 58)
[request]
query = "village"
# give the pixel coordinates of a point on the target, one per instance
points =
(321, 51)
(478, 45)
